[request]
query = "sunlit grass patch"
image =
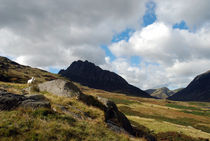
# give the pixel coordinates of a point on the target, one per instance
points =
(202, 104)
(158, 126)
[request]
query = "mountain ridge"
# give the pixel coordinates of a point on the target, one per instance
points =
(162, 93)
(197, 90)
(93, 76)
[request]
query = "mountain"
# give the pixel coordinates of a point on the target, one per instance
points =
(11, 71)
(197, 90)
(90, 75)
(160, 93)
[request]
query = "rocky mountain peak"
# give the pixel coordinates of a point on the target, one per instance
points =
(89, 74)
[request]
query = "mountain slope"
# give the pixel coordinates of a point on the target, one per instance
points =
(197, 90)
(89, 74)
(160, 93)
(11, 71)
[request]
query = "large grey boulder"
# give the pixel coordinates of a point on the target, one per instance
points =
(9, 101)
(60, 87)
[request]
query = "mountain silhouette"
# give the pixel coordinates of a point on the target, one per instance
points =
(197, 90)
(88, 74)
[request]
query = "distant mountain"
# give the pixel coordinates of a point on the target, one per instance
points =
(162, 93)
(90, 75)
(197, 90)
(11, 71)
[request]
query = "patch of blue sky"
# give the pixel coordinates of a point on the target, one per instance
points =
(135, 60)
(182, 25)
(124, 35)
(54, 70)
(108, 52)
(149, 16)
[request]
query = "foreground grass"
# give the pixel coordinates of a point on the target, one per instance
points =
(46, 124)
(153, 116)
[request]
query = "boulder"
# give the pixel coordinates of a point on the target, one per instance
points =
(60, 87)
(36, 97)
(111, 112)
(9, 101)
(29, 103)
(115, 116)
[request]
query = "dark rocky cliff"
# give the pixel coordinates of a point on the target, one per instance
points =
(197, 90)
(90, 75)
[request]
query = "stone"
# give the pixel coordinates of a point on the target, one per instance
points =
(114, 115)
(60, 87)
(9, 101)
(36, 97)
(35, 104)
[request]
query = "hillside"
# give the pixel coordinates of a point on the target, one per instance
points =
(11, 71)
(197, 90)
(162, 93)
(168, 120)
(90, 75)
(67, 119)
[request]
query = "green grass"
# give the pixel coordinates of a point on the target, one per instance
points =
(181, 121)
(181, 106)
(44, 124)
(200, 113)
(199, 104)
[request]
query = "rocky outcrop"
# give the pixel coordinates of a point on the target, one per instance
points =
(116, 119)
(197, 90)
(60, 87)
(90, 75)
(113, 117)
(9, 101)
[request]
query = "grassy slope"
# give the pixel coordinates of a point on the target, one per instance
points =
(44, 124)
(13, 72)
(162, 116)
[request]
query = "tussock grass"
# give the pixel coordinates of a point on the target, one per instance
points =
(46, 124)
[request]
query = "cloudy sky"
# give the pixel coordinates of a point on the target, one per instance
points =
(151, 43)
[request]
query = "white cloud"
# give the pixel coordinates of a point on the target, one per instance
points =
(180, 54)
(194, 12)
(49, 33)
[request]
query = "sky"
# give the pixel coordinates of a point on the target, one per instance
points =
(150, 43)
